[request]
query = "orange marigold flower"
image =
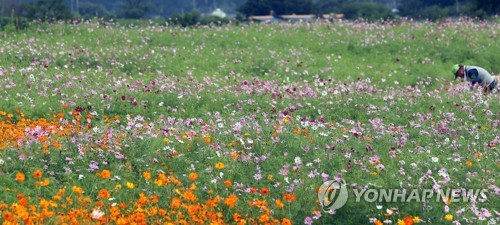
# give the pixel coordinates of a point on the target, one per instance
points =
(219, 165)
(237, 217)
(279, 204)
(20, 196)
(227, 183)
(264, 218)
(146, 175)
(103, 193)
(289, 197)
(42, 139)
(189, 196)
(264, 191)
(468, 163)
(37, 174)
(20, 177)
(378, 222)
(122, 221)
(408, 220)
(106, 174)
(231, 200)
(23, 202)
(286, 221)
(8, 216)
(45, 183)
(176, 202)
(77, 190)
(211, 203)
(193, 176)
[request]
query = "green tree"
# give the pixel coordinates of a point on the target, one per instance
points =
(427, 9)
(89, 9)
(331, 6)
(136, 9)
(277, 7)
(369, 11)
(484, 8)
(46, 10)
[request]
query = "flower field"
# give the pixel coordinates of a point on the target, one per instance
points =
(102, 123)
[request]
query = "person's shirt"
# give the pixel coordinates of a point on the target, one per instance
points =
(476, 74)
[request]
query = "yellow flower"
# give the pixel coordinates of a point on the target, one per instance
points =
(401, 222)
(448, 217)
(130, 185)
(416, 219)
(118, 187)
(219, 165)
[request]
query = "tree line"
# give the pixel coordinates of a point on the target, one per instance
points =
(194, 11)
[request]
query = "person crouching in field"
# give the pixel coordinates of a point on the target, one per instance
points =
(476, 75)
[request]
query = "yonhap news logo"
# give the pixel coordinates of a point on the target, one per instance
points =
(333, 195)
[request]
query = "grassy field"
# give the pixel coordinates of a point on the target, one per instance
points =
(102, 123)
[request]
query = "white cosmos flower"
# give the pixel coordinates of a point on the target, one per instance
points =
(97, 214)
